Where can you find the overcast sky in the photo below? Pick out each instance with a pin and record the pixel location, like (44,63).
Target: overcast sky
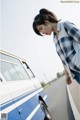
(18,37)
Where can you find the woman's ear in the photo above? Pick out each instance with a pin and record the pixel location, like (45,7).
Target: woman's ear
(46,22)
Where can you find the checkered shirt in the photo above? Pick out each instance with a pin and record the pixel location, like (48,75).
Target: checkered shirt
(65,42)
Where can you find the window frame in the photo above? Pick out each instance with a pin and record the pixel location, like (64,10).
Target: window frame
(13,63)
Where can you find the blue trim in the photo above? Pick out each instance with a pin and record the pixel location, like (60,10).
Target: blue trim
(26,108)
(39,115)
(14,115)
(8,103)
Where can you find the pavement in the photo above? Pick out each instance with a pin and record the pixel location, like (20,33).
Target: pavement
(59,105)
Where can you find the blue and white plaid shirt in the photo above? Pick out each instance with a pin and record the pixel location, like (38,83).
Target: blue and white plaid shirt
(67,45)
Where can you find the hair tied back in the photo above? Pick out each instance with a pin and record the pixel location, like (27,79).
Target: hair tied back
(43,11)
(46,12)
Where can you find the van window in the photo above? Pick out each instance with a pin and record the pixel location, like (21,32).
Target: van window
(13,71)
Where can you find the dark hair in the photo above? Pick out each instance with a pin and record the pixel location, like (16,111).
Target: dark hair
(43,15)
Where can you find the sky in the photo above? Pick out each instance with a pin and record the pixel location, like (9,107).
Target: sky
(18,37)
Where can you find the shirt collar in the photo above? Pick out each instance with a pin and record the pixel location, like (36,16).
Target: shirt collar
(58,26)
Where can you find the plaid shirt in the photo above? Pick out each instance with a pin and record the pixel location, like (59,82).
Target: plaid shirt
(67,47)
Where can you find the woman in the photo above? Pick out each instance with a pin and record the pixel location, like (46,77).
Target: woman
(66,38)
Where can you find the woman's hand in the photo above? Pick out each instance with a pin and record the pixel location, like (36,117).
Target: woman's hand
(68,80)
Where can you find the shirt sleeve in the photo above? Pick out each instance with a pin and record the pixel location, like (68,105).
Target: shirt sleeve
(72,30)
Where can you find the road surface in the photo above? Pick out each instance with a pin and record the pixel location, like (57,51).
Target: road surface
(59,105)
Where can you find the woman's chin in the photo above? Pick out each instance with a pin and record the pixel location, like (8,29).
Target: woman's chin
(49,34)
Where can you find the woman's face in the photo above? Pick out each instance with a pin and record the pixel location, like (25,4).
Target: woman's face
(45,29)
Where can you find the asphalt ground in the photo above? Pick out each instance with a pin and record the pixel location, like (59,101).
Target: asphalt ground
(59,105)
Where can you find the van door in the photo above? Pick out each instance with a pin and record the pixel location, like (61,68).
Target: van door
(7,102)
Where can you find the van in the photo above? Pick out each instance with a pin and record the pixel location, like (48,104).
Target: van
(21,94)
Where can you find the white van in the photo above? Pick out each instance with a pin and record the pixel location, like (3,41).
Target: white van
(21,94)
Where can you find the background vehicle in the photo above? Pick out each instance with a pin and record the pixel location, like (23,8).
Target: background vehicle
(21,94)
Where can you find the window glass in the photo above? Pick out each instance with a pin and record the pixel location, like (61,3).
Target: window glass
(21,72)
(13,72)
(9,72)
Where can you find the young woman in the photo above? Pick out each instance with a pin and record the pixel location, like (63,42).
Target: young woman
(66,37)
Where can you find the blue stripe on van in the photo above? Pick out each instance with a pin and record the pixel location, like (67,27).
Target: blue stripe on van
(5,105)
(26,108)
(19,97)
(38,116)
(14,115)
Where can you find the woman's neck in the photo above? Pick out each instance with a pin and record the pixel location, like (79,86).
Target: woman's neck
(54,28)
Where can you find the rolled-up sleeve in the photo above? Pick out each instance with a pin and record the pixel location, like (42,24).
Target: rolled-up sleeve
(72,30)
